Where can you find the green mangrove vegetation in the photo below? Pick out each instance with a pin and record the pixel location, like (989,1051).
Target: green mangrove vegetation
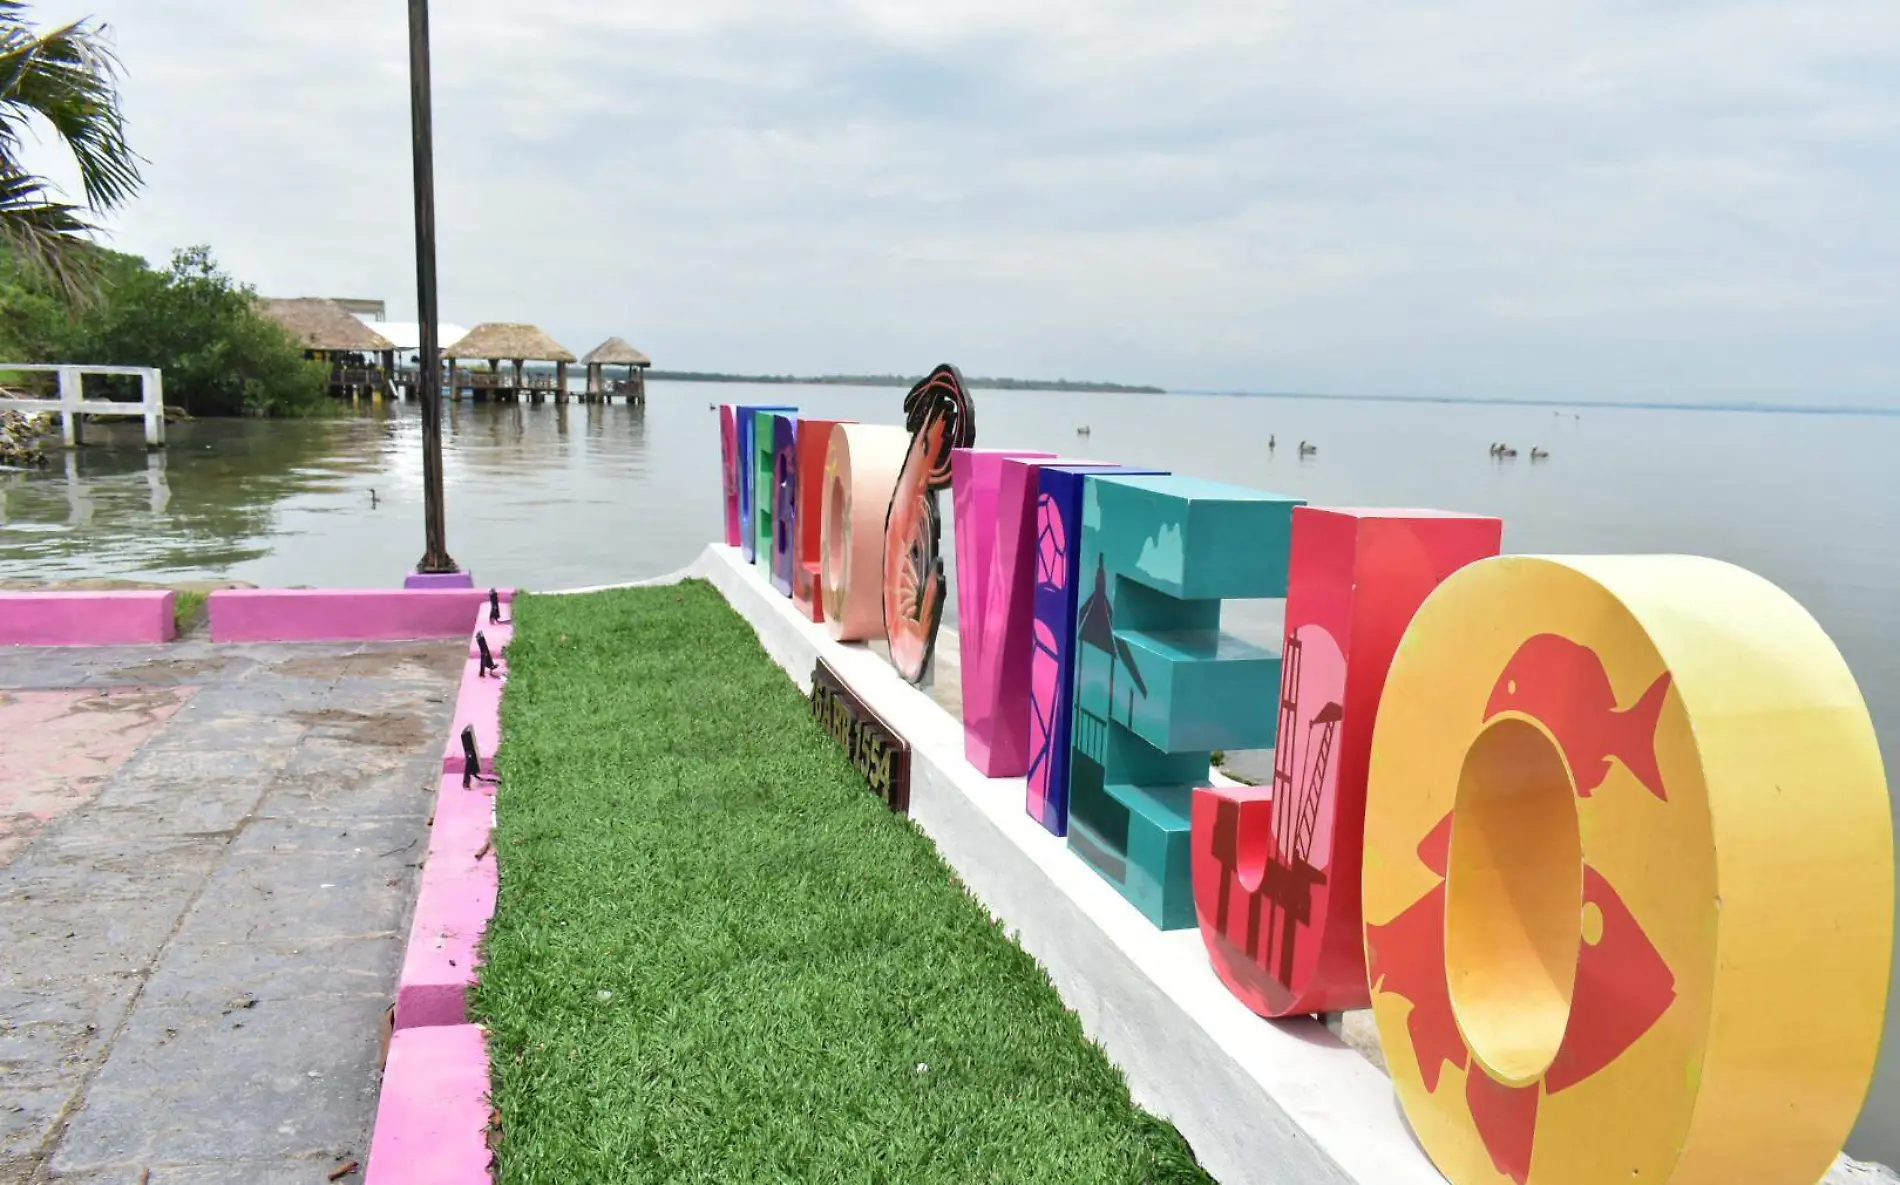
(220,355)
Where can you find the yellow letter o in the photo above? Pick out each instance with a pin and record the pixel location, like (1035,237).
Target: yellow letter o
(1628,877)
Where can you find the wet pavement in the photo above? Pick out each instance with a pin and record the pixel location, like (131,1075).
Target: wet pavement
(208,858)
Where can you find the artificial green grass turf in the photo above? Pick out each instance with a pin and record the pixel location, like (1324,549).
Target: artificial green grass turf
(718,957)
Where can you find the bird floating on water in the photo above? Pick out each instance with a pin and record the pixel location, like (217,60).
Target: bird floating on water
(1269,442)
(1307,450)
(1538,454)
(1082,431)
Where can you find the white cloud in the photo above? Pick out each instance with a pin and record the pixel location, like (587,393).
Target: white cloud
(1572,198)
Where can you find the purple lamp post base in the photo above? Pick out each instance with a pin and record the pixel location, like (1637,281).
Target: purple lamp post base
(439,580)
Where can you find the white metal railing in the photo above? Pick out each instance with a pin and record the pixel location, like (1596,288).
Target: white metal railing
(72,402)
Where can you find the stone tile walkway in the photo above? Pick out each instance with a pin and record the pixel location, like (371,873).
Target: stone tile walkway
(208,858)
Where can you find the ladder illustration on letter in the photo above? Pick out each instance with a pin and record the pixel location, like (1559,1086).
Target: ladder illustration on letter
(1290,875)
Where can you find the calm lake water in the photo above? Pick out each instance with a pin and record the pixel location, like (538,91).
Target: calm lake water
(563,496)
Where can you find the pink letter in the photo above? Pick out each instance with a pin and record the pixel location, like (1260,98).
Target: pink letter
(729,466)
(993,496)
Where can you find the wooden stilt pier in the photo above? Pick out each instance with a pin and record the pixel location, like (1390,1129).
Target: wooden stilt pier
(507,349)
(616,352)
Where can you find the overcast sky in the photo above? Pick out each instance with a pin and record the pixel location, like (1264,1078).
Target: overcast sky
(1650,198)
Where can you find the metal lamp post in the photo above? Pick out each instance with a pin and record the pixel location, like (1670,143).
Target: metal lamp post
(435,556)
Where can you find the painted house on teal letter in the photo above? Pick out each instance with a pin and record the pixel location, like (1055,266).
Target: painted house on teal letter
(1158,686)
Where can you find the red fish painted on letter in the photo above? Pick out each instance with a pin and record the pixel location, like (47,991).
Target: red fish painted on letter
(1408,959)
(1623,989)
(1563,685)
(1506,1119)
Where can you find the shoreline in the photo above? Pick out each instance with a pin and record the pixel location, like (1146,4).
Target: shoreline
(1065,386)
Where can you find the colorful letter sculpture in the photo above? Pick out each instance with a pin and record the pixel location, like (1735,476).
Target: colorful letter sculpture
(765,481)
(1157,685)
(745,419)
(861,467)
(1628,877)
(729,470)
(785,431)
(814,441)
(1276,868)
(940,418)
(995,606)
(1058,544)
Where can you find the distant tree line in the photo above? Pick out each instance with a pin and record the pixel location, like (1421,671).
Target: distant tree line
(898,380)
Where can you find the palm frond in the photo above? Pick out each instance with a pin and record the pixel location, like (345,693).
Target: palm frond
(69,77)
(49,239)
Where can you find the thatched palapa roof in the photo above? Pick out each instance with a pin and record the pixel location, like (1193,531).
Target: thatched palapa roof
(616,352)
(322,324)
(499,339)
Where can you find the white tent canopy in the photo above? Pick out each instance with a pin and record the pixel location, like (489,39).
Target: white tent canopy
(406,336)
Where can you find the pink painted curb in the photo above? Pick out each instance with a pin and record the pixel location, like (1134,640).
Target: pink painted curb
(123,617)
(463,809)
(432,1121)
(343,615)
(478,703)
(460,880)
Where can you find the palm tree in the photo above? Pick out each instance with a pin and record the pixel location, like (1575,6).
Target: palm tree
(66,78)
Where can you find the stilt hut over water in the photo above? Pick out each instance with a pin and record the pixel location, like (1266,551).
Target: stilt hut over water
(616,352)
(361,360)
(498,341)
(406,336)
